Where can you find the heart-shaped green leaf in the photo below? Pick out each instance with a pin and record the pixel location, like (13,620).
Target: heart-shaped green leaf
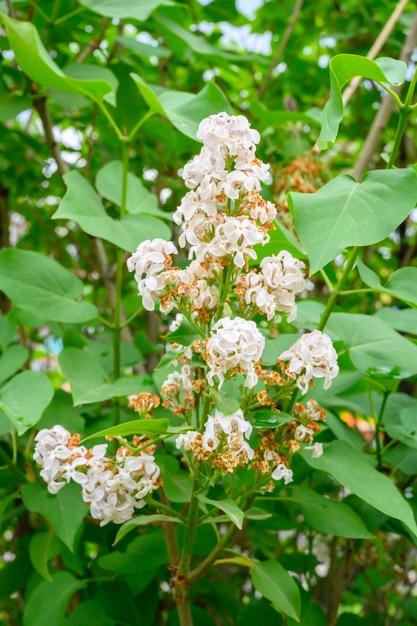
(346,213)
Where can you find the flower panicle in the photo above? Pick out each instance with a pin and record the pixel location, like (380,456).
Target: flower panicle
(223,220)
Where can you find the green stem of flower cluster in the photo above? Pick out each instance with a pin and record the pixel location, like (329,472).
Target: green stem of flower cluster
(335,293)
(184,566)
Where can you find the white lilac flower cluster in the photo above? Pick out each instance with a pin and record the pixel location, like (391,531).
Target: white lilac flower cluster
(312,356)
(223,441)
(234,345)
(220,215)
(112,488)
(223,217)
(179,381)
(274,287)
(148,262)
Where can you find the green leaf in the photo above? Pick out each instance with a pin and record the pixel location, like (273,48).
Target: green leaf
(402,458)
(404,320)
(239,559)
(8,332)
(151,427)
(403,425)
(90,383)
(12,104)
(145,552)
(226,403)
(177,482)
(274,582)
(48,601)
(139,201)
(184,110)
(266,117)
(149,95)
(256,513)
(24,398)
(82,204)
(265,418)
(401,284)
(184,334)
(65,511)
(279,239)
(233,512)
(352,470)
(35,61)
(275,347)
(329,517)
(374,347)
(15,575)
(347,213)
(196,43)
(344,67)
(91,612)
(170,358)
(143,49)
(12,360)
(42,548)
(126,9)
(38,284)
(144,520)
(259,613)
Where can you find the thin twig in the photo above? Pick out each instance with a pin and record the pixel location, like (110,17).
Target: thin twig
(95,42)
(90,141)
(32,10)
(10,8)
(41,105)
(281,48)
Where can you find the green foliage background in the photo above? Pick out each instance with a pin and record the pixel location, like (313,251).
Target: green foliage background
(90,90)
